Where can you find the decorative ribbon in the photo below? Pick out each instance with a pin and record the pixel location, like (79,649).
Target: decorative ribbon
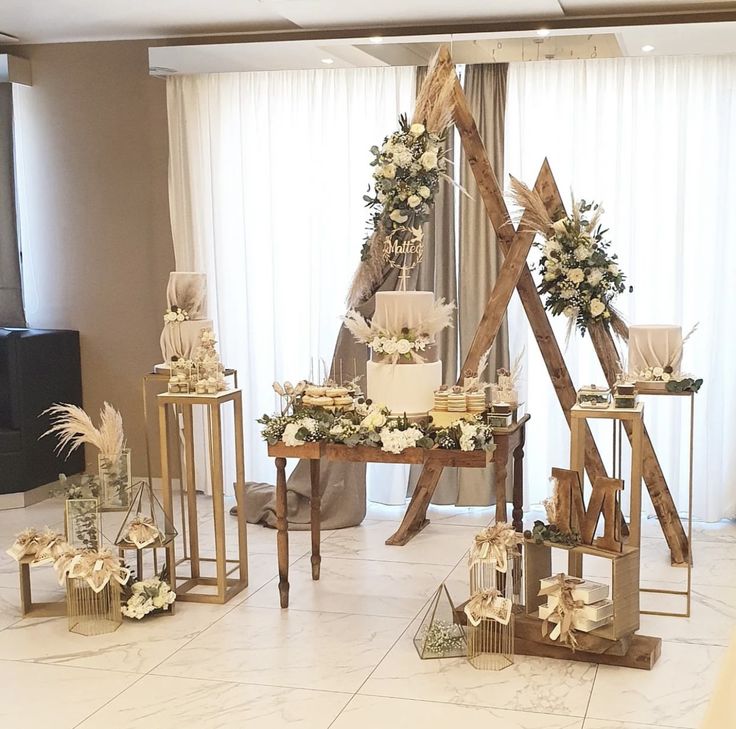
(43,546)
(493,545)
(142,531)
(97,568)
(489,605)
(565,609)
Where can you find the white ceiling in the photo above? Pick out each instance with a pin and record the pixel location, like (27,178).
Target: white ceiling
(38,21)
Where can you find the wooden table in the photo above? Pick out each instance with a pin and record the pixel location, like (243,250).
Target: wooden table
(509,451)
(509,446)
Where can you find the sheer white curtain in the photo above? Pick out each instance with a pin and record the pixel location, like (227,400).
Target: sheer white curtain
(267,175)
(654,139)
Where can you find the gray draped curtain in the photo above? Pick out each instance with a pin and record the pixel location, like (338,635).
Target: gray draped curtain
(11,299)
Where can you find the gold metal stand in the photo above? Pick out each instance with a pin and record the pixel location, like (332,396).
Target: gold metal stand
(225,586)
(645,389)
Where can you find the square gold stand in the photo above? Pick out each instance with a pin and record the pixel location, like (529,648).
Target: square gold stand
(225,585)
(38,609)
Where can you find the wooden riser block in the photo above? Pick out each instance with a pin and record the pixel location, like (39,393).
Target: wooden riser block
(643,653)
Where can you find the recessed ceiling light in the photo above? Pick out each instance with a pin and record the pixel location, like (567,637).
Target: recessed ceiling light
(647,48)
(328,61)
(543,32)
(376,39)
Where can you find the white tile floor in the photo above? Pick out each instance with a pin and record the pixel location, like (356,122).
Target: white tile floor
(342,655)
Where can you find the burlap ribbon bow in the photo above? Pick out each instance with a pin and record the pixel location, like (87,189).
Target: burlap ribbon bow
(493,545)
(97,568)
(43,546)
(564,610)
(142,531)
(488,604)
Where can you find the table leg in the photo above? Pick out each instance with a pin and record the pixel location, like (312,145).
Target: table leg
(240,488)
(316,515)
(218,500)
(191,489)
(282,537)
(517,515)
(500,465)
(166,495)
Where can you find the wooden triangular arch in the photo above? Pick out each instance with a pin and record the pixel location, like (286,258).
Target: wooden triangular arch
(441,91)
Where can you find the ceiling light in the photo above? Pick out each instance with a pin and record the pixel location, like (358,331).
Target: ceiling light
(647,48)
(376,39)
(328,61)
(543,32)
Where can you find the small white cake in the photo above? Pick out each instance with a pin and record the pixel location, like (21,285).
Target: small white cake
(654,345)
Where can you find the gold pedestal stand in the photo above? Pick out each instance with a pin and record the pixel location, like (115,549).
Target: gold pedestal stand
(225,586)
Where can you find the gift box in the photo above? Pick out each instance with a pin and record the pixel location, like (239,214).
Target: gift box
(579,622)
(593,612)
(585,591)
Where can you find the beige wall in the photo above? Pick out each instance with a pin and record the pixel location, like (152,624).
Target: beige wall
(94,213)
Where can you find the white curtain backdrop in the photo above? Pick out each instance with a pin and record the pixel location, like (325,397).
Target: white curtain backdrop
(654,140)
(266,180)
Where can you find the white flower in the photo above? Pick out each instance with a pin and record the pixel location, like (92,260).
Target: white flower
(180,317)
(429,160)
(158,601)
(403,346)
(550,276)
(396,441)
(595,277)
(416,130)
(398,217)
(377,344)
(666,377)
(414,200)
(424,191)
(658,371)
(381,197)
(388,171)
(402,156)
(576,275)
(567,293)
(570,312)
(289,436)
(597,307)
(581,253)
(420,344)
(390,346)
(559,225)
(375,418)
(613,268)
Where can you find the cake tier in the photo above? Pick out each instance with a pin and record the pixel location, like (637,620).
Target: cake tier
(188,291)
(654,345)
(181,339)
(398,309)
(404,388)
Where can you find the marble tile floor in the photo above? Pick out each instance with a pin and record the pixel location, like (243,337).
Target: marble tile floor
(342,655)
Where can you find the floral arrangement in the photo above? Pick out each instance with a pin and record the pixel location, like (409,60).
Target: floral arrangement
(580,278)
(406,174)
(442,637)
(95,567)
(43,547)
(148,596)
(405,344)
(466,435)
(175,315)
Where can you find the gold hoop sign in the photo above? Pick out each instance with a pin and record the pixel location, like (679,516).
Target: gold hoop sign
(404,250)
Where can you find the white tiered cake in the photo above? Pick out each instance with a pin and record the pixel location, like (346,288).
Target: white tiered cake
(187,291)
(404,387)
(654,345)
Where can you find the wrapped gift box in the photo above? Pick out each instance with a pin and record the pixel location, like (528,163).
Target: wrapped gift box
(594,612)
(578,621)
(587,592)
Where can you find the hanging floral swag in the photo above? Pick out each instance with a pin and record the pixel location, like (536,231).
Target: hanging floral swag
(580,277)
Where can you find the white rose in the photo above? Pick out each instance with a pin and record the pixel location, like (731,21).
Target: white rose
(374,419)
(289,436)
(595,276)
(377,344)
(666,377)
(389,171)
(158,601)
(570,312)
(429,160)
(403,346)
(416,130)
(550,276)
(581,253)
(559,225)
(424,191)
(658,371)
(180,317)
(398,217)
(390,346)
(614,269)
(576,275)
(414,200)
(597,307)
